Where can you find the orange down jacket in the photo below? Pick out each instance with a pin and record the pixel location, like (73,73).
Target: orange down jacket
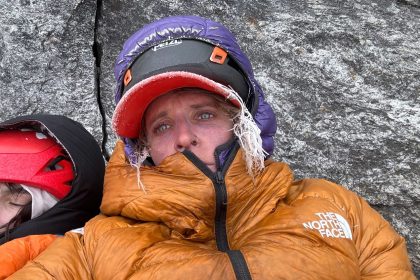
(16,253)
(268,228)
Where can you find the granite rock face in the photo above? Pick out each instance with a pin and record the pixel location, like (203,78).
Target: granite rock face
(343,78)
(46,60)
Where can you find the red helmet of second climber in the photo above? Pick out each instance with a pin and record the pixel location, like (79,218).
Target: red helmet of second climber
(35,159)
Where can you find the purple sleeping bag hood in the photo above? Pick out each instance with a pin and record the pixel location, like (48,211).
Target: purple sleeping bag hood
(205,30)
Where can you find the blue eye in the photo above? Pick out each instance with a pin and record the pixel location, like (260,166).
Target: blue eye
(205,116)
(161,128)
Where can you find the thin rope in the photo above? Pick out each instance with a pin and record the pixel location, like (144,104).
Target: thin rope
(141,153)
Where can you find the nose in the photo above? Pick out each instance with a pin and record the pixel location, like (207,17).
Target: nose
(184,137)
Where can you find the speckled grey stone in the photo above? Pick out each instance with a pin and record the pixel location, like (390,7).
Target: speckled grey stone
(46,60)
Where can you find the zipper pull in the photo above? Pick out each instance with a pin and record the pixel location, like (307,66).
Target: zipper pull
(219,181)
(219,177)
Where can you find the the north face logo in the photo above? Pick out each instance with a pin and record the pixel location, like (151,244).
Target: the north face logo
(330,225)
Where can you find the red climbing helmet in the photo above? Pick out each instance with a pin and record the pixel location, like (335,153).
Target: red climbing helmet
(35,159)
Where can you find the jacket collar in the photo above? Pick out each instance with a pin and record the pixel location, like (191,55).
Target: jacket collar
(181,196)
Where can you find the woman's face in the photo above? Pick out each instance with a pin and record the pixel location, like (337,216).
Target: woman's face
(10,203)
(187,120)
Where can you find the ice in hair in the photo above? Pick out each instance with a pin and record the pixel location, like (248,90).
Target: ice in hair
(248,134)
(141,153)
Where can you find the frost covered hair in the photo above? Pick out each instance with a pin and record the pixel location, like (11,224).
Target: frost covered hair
(244,128)
(248,134)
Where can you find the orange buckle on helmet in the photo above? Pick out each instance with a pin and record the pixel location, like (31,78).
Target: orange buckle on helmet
(127,77)
(218,55)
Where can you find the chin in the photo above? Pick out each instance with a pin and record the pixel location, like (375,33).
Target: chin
(212,167)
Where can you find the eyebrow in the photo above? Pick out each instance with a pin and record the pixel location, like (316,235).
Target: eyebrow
(194,106)
(155,119)
(199,106)
(160,115)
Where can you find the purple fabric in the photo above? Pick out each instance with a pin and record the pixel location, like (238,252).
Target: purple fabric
(194,27)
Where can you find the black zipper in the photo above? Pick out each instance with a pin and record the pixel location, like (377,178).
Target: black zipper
(239,265)
(221,207)
(236,257)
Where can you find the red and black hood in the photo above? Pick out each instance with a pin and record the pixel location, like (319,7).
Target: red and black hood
(82,203)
